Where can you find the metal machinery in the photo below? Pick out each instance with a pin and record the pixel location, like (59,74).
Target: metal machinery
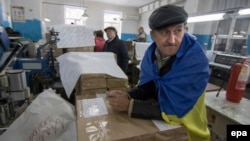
(19,76)
(41,71)
(221,62)
(13,87)
(220,65)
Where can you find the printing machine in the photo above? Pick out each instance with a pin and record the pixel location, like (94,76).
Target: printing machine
(17,75)
(41,67)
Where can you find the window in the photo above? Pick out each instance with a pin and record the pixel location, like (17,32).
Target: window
(112,18)
(220,44)
(236,45)
(241,27)
(73,15)
(232,35)
(223,32)
(224,27)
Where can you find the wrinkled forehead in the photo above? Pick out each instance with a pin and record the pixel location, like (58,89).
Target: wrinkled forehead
(172,27)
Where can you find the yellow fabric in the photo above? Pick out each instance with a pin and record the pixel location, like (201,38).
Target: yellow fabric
(195,121)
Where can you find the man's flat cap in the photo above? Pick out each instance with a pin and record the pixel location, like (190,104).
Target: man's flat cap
(167,15)
(110,27)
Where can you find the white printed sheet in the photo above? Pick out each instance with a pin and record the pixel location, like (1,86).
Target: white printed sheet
(94,107)
(73,36)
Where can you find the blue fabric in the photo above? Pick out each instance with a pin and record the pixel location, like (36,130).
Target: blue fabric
(179,89)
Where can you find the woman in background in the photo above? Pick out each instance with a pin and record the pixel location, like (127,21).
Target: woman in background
(99,41)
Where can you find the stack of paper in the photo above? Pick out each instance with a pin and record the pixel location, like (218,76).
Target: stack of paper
(93,72)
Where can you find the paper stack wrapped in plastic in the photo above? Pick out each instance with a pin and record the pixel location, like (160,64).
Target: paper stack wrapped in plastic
(91,72)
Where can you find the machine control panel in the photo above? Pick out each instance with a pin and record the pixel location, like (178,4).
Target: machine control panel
(228,60)
(222,63)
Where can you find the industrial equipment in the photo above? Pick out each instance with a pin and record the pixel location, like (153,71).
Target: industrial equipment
(41,71)
(13,88)
(220,67)
(20,76)
(221,64)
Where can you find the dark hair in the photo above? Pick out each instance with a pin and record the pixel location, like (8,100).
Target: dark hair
(99,33)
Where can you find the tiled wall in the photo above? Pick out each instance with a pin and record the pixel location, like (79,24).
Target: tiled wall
(29,29)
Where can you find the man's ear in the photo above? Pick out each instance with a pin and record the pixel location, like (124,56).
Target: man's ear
(152,35)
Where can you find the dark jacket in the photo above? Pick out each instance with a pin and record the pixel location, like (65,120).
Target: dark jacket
(119,48)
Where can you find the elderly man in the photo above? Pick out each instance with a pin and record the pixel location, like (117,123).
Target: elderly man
(174,74)
(117,46)
(142,36)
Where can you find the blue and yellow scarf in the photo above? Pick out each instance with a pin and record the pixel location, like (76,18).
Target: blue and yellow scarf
(182,88)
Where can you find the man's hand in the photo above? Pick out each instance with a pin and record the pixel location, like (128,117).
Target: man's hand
(118,100)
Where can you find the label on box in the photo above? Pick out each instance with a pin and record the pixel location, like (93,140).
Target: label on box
(94,107)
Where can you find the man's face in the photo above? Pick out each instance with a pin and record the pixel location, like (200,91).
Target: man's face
(140,30)
(110,33)
(168,39)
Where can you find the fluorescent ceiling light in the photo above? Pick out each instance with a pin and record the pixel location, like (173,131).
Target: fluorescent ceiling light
(47,20)
(244,11)
(204,18)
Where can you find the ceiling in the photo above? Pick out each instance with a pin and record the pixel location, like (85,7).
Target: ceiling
(130,3)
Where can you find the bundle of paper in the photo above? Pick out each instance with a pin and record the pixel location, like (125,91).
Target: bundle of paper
(92,72)
(91,82)
(99,83)
(81,49)
(117,83)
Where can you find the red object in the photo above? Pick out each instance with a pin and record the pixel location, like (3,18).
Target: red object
(99,44)
(237,82)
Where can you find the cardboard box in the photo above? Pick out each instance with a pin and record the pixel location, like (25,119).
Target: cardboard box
(91,82)
(59,51)
(91,91)
(113,82)
(121,88)
(56,51)
(118,126)
(81,49)
(117,83)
